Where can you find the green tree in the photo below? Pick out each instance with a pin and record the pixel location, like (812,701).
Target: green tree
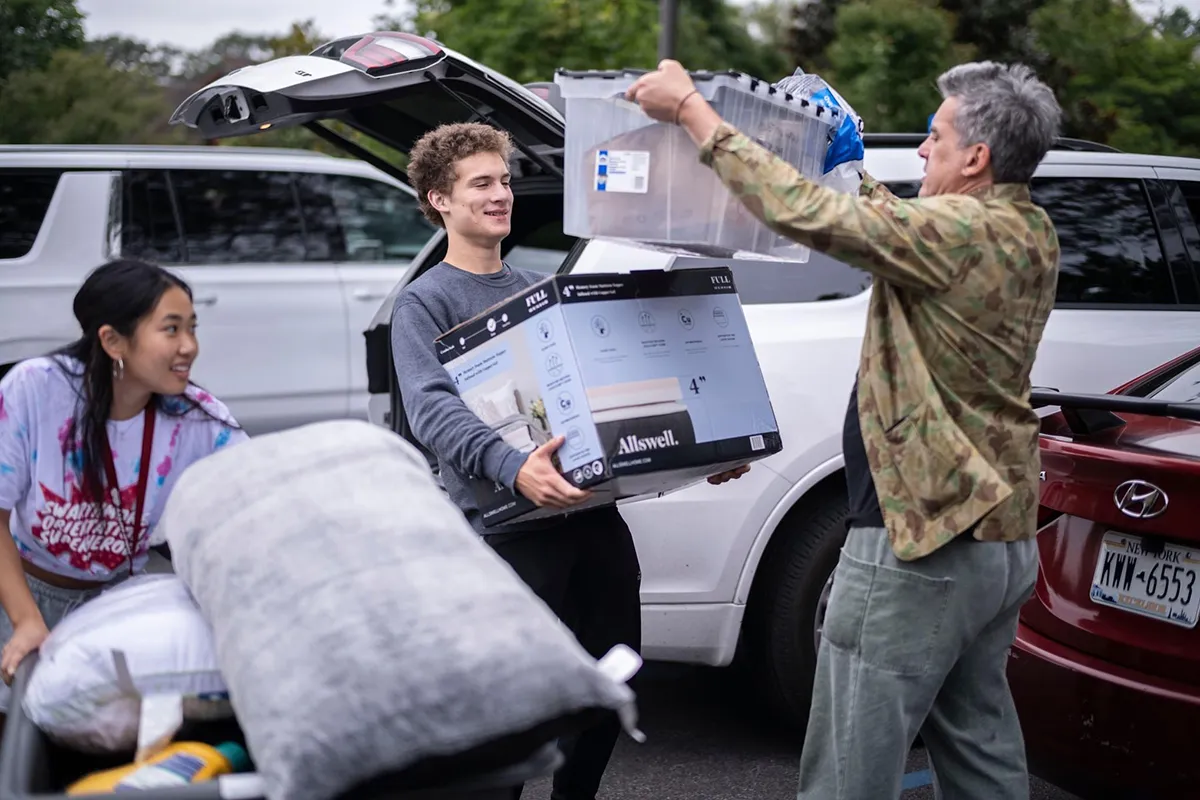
(887,55)
(528,39)
(1120,79)
(31,30)
(119,52)
(998,30)
(79,99)
(715,35)
(1178,23)
(812,32)
(587,34)
(769,22)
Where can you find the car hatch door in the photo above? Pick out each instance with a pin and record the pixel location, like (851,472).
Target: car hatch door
(393,87)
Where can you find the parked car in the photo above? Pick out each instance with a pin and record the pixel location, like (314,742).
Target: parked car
(1106,665)
(740,570)
(289,253)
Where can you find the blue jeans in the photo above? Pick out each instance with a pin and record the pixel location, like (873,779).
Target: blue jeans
(919,646)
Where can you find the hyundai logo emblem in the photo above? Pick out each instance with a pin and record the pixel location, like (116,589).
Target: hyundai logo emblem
(1140,500)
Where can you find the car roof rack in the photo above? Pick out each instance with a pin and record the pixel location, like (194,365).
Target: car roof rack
(915,139)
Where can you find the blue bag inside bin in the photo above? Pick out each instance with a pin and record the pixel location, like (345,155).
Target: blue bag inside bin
(844,154)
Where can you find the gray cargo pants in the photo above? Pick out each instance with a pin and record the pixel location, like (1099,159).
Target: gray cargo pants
(919,646)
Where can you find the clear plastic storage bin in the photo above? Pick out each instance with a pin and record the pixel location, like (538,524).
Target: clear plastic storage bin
(629,177)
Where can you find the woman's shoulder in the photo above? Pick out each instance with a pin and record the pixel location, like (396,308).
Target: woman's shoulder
(197,404)
(37,376)
(215,425)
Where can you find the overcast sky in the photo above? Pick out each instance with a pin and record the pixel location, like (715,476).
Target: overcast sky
(194,24)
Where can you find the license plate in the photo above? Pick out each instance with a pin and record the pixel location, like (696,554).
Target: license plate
(1164,585)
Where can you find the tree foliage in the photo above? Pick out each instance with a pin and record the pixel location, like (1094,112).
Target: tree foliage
(1122,80)
(884,55)
(77,100)
(1126,74)
(528,40)
(1123,77)
(32,30)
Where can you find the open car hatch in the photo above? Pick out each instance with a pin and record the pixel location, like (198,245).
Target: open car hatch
(391,86)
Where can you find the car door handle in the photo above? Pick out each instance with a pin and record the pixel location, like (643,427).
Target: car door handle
(206,300)
(367,294)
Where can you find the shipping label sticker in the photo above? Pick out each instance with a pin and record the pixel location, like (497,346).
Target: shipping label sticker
(623,171)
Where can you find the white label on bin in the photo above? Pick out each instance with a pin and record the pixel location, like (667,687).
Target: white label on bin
(622,171)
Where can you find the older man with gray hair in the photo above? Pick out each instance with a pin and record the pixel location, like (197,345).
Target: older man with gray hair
(940,441)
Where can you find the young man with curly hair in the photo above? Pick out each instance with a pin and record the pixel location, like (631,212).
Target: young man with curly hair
(583,566)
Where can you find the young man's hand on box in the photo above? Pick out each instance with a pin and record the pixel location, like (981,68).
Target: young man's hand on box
(729,475)
(540,481)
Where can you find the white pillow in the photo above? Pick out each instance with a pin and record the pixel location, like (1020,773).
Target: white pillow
(144,637)
(496,405)
(364,629)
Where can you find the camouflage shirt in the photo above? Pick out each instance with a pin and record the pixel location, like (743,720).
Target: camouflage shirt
(963,287)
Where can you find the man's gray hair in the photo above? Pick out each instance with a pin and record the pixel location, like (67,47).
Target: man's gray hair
(1007,108)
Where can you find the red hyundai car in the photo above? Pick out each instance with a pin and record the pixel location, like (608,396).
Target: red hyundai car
(1105,669)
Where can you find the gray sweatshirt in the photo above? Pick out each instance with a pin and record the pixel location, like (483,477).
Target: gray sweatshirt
(463,444)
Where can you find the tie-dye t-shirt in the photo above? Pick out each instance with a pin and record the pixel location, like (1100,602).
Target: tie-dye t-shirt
(54,526)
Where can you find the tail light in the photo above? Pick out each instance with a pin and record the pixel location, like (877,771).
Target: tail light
(383,53)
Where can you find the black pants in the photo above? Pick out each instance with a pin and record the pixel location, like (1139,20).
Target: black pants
(586,570)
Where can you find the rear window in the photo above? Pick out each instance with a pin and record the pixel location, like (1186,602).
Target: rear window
(1111,253)
(200,216)
(1183,388)
(24,198)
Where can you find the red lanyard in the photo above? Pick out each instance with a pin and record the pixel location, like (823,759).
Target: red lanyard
(143,477)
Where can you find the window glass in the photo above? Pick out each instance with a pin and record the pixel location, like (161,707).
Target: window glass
(239,216)
(1111,253)
(371,221)
(1184,388)
(905,189)
(25,197)
(1191,196)
(324,238)
(1185,197)
(149,230)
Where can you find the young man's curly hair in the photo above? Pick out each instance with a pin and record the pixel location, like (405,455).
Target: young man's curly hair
(432,159)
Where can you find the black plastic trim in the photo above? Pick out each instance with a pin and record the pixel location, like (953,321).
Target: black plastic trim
(525,149)
(915,139)
(1130,306)
(357,150)
(1115,402)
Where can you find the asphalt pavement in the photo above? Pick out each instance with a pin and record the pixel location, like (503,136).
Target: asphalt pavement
(704,742)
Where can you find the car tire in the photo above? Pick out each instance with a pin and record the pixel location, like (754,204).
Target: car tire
(786,608)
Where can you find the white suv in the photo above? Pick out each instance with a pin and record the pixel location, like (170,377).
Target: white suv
(741,569)
(289,254)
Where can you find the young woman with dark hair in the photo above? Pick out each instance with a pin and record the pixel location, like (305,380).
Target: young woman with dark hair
(92,438)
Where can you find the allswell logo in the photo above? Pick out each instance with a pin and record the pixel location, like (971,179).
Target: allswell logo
(636,444)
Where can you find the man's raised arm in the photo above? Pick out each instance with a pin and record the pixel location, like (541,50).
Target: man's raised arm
(922,244)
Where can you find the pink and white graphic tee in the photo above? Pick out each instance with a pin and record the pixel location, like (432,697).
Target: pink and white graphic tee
(54,525)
